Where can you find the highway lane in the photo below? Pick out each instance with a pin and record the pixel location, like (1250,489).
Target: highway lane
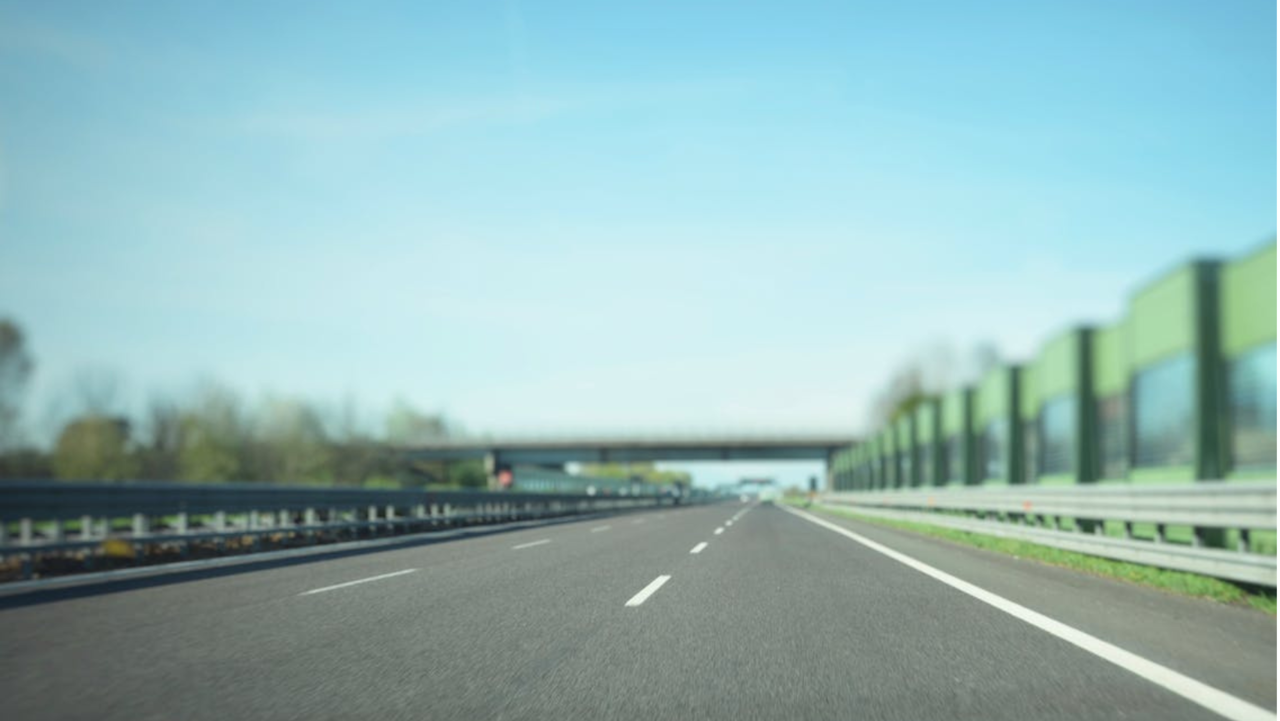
(1231,648)
(773,617)
(228,645)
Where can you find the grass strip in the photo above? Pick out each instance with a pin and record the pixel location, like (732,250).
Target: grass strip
(1179,582)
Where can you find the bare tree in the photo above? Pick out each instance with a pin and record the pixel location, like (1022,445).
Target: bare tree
(904,392)
(290,443)
(163,439)
(933,371)
(96,390)
(981,359)
(215,437)
(15,370)
(406,425)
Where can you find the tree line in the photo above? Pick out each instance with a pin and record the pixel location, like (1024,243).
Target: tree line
(214,436)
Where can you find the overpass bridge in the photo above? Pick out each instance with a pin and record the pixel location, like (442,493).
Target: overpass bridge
(626,449)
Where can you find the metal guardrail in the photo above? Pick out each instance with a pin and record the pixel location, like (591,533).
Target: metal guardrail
(40,518)
(1039,514)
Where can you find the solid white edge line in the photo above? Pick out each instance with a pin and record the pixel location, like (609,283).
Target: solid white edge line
(1197,692)
(531,544)
(719,530)
(355,583)
(598,529)
(698,548)
(648,591)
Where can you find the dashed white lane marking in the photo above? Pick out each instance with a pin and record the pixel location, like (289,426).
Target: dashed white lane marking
(728,522)
(1220,702)
(719,530)
(355,583)
(531,544)
(698,548)
(598,529)
(648,591)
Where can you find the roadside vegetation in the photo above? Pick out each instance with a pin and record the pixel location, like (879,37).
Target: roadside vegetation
(1180,582)
(213,434)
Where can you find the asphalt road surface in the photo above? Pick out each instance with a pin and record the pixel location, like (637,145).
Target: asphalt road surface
(730,611)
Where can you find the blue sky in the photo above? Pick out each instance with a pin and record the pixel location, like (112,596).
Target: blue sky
(542,217)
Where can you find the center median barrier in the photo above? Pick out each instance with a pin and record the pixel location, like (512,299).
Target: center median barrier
(42,520)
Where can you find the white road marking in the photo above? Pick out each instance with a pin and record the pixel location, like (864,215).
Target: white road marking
(648,591)
(1220,702)
(354,583)
(531,544)
(728,522)
(598,529)
(719,530)
(698,548)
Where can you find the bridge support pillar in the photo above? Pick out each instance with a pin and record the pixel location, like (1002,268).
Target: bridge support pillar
(830,475)
(497,472)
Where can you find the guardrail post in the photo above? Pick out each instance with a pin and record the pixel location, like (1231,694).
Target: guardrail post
(86,527)
(1242,543)
(310,519)
(181,526)
(141,527)
(26,531)
(253,520)
(1159,537)
(55,531)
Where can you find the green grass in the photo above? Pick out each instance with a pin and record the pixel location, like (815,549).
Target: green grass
(1180,582)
